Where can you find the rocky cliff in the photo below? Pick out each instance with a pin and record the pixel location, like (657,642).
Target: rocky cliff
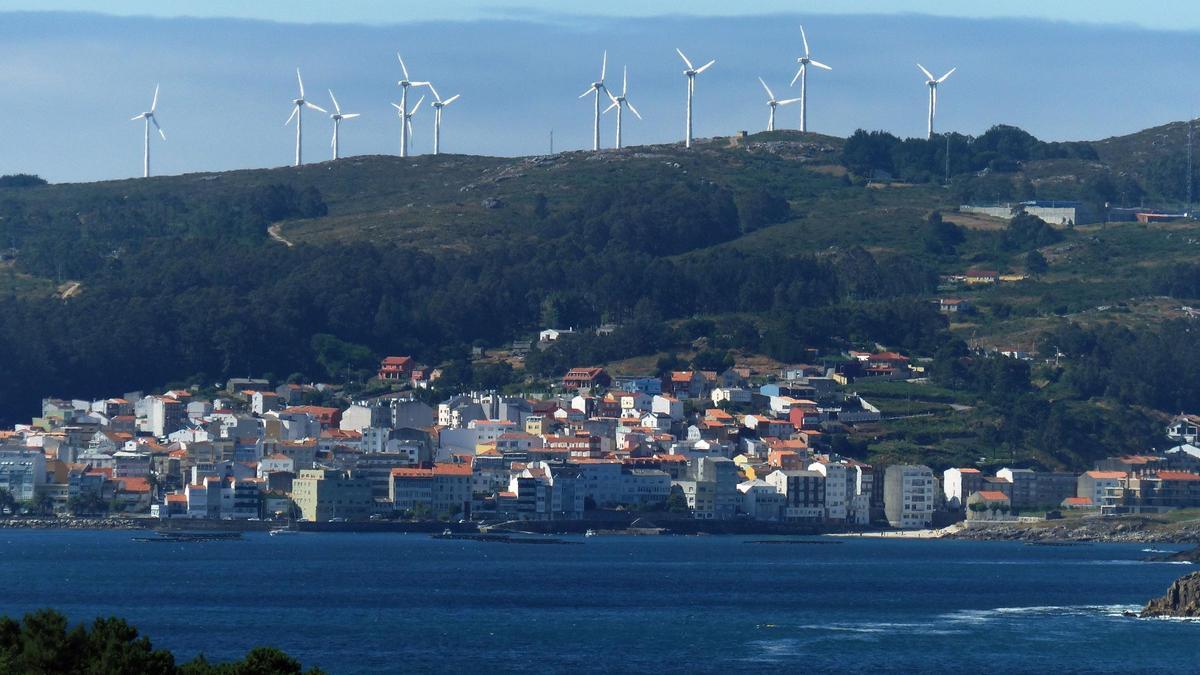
(1182,599)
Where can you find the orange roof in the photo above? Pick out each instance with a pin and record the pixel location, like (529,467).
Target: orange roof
(1177,475)
(507,494)
(681,376)
(134,484)
(993,495)
(451,470)
(968,470)
(1078,501)
(176,499)
(1105,474)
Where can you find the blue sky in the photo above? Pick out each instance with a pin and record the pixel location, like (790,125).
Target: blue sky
(1063,70)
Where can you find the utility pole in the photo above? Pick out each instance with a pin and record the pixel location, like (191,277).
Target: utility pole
(947,158)
(1189,173)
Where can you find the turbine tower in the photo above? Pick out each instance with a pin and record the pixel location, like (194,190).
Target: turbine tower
(691,73)
(771,101)
(620,102)
(337,118)
(149,117)
(297,112)
(406,125)
(404,84)
(595,89)
(438,104)
(933,87)
(802,75)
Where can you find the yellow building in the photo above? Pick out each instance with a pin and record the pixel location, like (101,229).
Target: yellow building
(323,494)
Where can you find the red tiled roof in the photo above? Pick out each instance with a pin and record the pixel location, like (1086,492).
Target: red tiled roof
(993,495)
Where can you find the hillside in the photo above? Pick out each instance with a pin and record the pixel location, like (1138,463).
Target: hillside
(765,247)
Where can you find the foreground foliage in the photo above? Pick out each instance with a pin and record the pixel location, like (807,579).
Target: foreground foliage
(44,642)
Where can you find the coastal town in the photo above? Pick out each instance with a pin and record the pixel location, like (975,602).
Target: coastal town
(736,445)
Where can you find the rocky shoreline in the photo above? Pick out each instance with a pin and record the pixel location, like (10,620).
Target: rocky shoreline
(76,523)
(1134,530)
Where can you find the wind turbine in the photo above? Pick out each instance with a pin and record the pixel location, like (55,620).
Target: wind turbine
(691,73)
(149,117)
(406,125)
(933,87)
(595,89)
(337,118)
(297,112)
(802,75)
(620,102)
(771,101)
(405,115)
(438,104)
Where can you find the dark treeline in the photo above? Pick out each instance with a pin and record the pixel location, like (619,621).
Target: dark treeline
(1001,148)
(44,642)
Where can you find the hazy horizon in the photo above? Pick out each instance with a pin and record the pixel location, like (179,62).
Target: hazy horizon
(75,79)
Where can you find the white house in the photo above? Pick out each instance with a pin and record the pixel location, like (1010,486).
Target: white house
(731,395)
(667,405)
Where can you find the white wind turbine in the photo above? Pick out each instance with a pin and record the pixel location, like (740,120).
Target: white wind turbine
(595,90)
(933,87)
(691,73)
(438,104)
(802,75)
(405,115)
(771,101)
(337,118)
(406,125)
(149,117)
(297,112)
(620,102)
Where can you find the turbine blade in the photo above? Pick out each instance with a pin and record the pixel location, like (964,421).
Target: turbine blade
(604,65)
(770,94)
(419,84)
(436,97)
(819,64)
(787,101)
(940,79)
(295,109)
(611,97)
(301,83)
(337,108)
(416,107)
(685,59)
(632,109)
(589,90)
(612,105)
(403,67)
(137,117)
(160,131)
(398,108)
(350,116)
(705,67)
(333,139)
(450,100)
(314,106)
(798,74)
(408,124)
(923,70)
(805,39)
(154,103)
(624,80)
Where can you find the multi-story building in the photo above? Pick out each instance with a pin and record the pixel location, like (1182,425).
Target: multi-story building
(322,494)
(804,494)
(761,501)
(909,495)
(958,484)
(1094,485)
(22,472)
(1033,489)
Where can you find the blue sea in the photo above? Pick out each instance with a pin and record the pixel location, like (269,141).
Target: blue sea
(384,603)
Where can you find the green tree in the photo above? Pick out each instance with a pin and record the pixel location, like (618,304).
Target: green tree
(1035,263)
